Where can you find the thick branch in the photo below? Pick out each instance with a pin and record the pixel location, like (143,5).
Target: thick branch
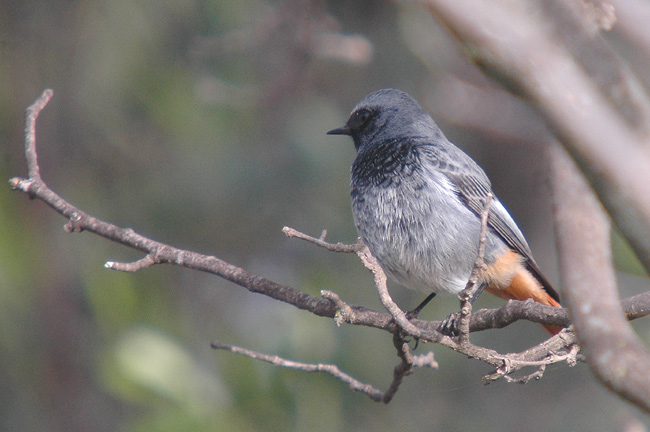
(614,353)
(589,103)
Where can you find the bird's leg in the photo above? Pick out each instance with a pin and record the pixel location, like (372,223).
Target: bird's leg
(477,293)
(415,312)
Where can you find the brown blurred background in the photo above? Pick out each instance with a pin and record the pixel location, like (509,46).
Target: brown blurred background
(202,124)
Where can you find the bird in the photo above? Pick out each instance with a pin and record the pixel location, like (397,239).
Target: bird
(417,201)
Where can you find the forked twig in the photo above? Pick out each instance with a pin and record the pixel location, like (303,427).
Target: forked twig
(406,367)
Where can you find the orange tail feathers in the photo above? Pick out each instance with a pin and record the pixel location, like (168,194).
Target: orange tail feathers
(522,286)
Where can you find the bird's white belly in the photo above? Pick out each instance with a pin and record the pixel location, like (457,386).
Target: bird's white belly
(425,238)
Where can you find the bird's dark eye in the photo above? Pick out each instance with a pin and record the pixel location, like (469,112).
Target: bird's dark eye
(359,118)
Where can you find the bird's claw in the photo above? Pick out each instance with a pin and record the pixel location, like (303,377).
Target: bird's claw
(449,326)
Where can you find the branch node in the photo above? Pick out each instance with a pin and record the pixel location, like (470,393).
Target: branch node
(344,312)
(146,261)
(17,183)
(74,223)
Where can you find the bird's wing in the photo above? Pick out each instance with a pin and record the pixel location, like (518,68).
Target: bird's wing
(473,187)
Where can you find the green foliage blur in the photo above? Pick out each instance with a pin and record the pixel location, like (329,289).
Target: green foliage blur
(202,124)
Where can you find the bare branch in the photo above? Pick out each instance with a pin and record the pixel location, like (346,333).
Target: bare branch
(637,306)
(155,251)
(544,51)
(408,364)
(30,132)
(330,369)
(538,374)
(406,367)
(145,262)
(398,315)
(344,313)
(337,247)
(592,102)
(613,351)
(471,289)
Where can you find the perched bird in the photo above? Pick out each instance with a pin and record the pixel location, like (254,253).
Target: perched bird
(417,200)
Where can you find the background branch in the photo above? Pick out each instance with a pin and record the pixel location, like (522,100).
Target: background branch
(532,48)
(552,53)
(615,354)
(330,369)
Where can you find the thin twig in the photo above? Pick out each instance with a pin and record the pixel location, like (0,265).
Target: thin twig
(408,364)
(140,264)
(404,368)
(33,112)
(333,370)
(471,289)
(320,241)
(398,315)
(538,374)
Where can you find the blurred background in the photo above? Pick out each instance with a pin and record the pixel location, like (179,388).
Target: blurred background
(202,124)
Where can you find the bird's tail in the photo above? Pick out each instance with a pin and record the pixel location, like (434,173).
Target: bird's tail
(525,286)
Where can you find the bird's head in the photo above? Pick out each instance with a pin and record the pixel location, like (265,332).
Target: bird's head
(386,114)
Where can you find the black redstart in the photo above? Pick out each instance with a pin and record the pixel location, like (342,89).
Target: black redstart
(417,200)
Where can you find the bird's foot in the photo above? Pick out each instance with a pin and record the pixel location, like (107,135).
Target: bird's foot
(449,326)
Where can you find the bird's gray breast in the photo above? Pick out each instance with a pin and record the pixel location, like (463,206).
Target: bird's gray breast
(412,220)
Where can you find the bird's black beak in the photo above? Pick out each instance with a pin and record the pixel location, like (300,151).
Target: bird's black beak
(345,130)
